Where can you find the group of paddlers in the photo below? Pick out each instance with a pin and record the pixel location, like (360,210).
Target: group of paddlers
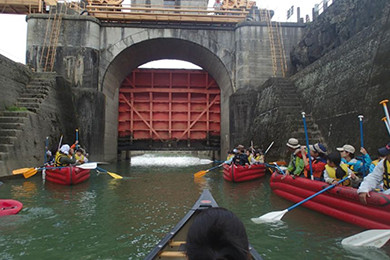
(333,168)
(364,173)
(68,155)
(242,156)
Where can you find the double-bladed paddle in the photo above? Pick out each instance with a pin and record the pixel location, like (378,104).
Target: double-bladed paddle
(202,173)
(113,175)
(373,238)
(277,215)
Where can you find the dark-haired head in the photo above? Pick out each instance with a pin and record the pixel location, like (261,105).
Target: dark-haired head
(217,233)
(335,158)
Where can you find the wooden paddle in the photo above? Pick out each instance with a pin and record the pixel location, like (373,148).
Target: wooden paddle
(113,175)
(373,237)
(277,215)
(29,172)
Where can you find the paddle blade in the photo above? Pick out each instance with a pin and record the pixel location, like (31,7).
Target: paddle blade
(373,238)
(114,175)
(270,217)
(21,171)
(200,174)
(31,172)
(87,166)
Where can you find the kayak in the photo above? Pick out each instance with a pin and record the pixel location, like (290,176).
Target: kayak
(238,173)
(67,175)
(10,207)
(173,244)
(339,202)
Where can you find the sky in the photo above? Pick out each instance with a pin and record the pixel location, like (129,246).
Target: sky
(13,30)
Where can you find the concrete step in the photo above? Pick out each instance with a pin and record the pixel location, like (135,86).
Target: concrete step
(33,110)
(37,90)
(9,132)
(11,125)
(12,119)
(7,139)
(14,113)
(3,156)
(33,95)
(5,148)
(29,100)
(28,105)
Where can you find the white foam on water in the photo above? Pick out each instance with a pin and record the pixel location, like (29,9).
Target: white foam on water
(171,161)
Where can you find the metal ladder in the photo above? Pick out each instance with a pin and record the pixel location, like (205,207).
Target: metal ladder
(50,43)
(276,45)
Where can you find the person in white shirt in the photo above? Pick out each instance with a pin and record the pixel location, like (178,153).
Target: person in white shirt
(381,173)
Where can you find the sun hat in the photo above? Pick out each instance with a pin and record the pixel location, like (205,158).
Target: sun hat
(293,143)
(318,147)
(383,151)
(65,149)
(346,147)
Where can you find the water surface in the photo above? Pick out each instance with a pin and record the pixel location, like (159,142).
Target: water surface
(105,218)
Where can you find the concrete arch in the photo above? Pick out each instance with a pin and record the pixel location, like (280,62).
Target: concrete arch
(154,49)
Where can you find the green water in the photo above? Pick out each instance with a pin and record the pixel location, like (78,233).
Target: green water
(105,218)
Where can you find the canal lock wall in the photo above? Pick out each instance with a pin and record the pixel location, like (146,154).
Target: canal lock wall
(341,69)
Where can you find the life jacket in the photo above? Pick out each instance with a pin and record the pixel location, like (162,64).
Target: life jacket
(318,173)
(332,173)
(80,158)
(60,155)
(375,162)
(386,174)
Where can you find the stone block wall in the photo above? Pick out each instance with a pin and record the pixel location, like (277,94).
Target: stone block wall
(351,80)
(13,78)
(344,71)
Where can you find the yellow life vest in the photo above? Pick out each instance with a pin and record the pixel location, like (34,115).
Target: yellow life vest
(386,175)
(57,159)
(375,162)
(79,158)
(332,173)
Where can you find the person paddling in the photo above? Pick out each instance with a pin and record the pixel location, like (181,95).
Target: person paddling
(296,164)
(64,156)
(318,154)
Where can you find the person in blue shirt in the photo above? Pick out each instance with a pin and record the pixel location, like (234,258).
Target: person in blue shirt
(360,164)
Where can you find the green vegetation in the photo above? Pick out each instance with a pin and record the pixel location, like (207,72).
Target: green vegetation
(15,108)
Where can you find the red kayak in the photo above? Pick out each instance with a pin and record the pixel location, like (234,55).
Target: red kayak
(238,173)
(67,175)
(10,207)
(339,202)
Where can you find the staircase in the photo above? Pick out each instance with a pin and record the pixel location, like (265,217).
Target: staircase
(290,106)
(29,102)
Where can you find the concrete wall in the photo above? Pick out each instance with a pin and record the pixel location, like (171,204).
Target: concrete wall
(55,117)
(348,81)
(350,77)
(96,58)
(77,60)
(13,78)
(253,51)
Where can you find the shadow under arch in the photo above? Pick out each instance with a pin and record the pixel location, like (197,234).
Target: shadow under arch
(156,49)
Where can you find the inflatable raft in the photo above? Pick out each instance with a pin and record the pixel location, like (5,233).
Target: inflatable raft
(238,173)
(10,207)
(340,202)
(67,175)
